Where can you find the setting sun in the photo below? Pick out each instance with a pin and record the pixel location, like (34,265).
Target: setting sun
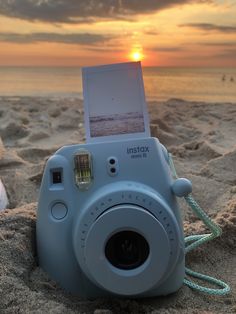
(136,56)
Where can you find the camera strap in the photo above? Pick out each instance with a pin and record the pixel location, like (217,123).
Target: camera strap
(194,241)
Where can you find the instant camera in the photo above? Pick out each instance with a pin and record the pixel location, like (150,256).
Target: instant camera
(108,222)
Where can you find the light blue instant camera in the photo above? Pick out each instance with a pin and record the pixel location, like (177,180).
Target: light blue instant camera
(108,222)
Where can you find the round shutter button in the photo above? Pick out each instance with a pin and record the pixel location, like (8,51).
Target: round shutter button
(59,211)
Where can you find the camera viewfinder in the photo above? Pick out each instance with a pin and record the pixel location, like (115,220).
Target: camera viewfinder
(56,176)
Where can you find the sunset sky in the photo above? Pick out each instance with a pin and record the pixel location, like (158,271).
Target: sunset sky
(78,33)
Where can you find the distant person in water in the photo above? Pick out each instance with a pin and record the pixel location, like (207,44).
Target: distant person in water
(224,78)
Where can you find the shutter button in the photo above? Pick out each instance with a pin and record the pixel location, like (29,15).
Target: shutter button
(59,211)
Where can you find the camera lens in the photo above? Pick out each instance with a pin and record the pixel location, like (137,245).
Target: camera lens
(127,250)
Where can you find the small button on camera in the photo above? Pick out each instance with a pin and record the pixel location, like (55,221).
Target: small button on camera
(59,211)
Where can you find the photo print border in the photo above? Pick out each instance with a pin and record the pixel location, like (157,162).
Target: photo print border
(114,102)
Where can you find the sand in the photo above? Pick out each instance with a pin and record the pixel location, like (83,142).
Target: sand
(202,139)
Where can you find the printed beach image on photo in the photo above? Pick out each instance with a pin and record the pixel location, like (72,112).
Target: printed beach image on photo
(114,101)
(125,123)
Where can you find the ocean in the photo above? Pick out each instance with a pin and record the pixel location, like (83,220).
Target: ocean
(161,83)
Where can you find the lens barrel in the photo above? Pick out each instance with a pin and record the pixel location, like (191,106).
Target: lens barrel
(125,250)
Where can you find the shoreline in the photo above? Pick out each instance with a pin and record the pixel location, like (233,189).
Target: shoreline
(202,139)
(80,99)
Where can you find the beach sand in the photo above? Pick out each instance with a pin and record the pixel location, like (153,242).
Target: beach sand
(202,139)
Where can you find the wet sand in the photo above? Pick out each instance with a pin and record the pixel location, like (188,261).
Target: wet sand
(202,139)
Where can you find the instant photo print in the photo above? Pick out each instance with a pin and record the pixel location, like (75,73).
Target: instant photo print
(114,102)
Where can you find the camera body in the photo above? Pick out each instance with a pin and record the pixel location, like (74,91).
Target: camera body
(108,222)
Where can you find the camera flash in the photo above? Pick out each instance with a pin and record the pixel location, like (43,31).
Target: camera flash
(83,169)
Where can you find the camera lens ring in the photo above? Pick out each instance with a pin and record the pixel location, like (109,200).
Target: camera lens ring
(142,196)
(122,281)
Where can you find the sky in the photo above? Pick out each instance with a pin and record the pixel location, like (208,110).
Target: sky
(84,33)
